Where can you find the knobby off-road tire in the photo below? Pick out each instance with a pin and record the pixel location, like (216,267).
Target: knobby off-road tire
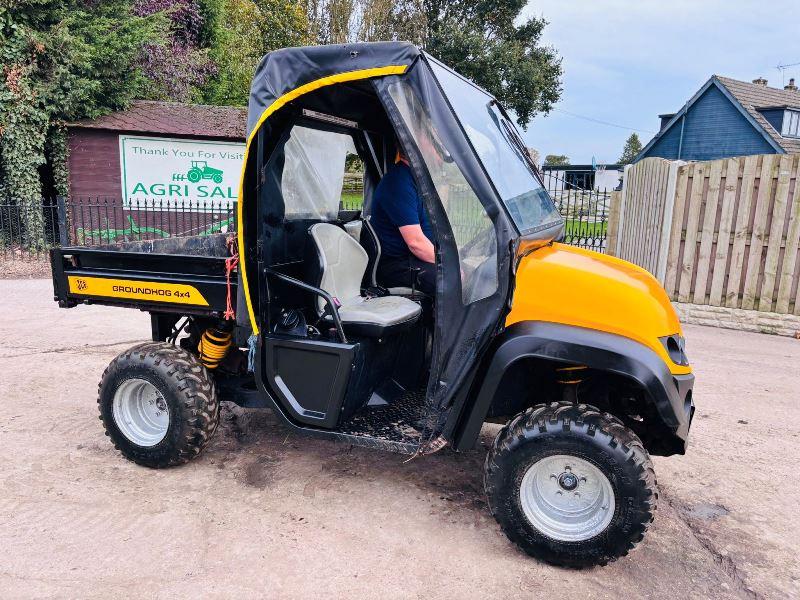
(186,391)
(563,429)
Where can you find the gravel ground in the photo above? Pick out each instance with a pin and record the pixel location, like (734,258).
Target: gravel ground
(32,267)
(265,512)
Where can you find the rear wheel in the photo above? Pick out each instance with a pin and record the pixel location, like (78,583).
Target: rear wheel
(158,404)
(570,485)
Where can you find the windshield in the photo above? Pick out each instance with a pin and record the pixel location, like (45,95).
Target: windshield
(501,150)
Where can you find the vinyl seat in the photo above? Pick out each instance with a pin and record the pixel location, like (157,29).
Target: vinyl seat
(343,263)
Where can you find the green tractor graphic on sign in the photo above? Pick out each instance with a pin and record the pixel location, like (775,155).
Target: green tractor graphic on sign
(201,170)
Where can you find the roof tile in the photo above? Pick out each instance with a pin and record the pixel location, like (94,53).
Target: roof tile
(198,120)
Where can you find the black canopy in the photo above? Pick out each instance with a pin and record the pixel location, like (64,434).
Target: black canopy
(398,81)
(294,71)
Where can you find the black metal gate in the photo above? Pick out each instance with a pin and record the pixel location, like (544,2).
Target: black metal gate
(585,209)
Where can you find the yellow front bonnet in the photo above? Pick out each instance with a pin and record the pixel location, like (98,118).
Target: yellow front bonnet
(568,285)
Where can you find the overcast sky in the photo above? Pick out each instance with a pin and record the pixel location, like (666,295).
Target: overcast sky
(627,61)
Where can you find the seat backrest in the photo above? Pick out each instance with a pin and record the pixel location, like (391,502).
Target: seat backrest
(372,246)
(342,262)
(354,228)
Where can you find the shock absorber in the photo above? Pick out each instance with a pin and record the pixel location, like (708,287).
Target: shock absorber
(570,379)
(214,345)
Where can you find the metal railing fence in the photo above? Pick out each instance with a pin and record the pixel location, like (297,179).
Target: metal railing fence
(585,212)
(28,231)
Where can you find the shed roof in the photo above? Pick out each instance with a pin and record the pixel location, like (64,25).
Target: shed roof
(174,118)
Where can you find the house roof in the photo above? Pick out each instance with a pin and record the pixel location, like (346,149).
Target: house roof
(748,98)
(173,118)
(753,96)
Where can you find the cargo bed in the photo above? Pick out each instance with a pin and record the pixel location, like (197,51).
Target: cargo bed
(176,275)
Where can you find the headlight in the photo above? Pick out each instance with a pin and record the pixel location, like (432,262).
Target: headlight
(676,348)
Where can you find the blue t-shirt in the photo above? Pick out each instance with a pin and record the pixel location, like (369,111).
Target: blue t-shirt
(396,203)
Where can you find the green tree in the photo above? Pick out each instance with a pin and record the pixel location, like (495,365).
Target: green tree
(341,21)
(556,160)
(486,41)
(243,32)
(632,148)
(61,61)
(179,68)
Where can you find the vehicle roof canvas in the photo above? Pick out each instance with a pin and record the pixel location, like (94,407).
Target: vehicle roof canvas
(289,69)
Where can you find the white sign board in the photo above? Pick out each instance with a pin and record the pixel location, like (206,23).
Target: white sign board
(163,172)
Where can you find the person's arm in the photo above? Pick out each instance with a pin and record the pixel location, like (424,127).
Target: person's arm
(418,242)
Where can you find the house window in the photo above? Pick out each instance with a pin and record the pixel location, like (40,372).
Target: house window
(583,180)
(791,123)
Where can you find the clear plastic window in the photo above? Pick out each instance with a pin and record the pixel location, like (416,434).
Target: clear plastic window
(501,151)
(472,228)
(314,173)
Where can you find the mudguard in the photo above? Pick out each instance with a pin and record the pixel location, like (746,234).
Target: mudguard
(670,394)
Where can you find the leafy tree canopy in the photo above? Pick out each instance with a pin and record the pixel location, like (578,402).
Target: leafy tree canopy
(62,60)
(75,58)
(484,40)
(243,32)
(179,68)
(632,148)
(556,160)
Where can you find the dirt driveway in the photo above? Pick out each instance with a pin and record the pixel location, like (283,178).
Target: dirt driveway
(266,513)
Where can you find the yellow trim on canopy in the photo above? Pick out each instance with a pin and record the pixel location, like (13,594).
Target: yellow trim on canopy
(277,104)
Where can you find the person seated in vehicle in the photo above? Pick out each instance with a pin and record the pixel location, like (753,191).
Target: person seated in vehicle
(401,224)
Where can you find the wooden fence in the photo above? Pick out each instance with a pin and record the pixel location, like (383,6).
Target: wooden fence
(722,233)
(643,209)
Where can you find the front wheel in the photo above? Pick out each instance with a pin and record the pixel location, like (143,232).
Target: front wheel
(570,485)
(158,404)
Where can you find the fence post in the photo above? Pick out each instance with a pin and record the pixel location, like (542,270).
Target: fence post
(612,229)
(666,222)
(621,213)
(63,234)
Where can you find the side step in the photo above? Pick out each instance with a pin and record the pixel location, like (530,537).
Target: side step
(394,427)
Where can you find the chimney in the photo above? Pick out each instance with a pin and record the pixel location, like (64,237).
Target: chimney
(760,81)
(791,85)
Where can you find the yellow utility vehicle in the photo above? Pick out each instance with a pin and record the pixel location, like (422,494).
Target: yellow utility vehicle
(580,355)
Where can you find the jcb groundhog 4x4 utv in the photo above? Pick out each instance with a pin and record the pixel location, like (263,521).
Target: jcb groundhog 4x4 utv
(579,354)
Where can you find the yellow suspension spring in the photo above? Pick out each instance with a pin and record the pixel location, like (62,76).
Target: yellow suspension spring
(570,373)
(571,379)
(214,345)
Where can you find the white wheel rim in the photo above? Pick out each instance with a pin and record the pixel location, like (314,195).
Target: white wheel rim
(140,412)
(567,498)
